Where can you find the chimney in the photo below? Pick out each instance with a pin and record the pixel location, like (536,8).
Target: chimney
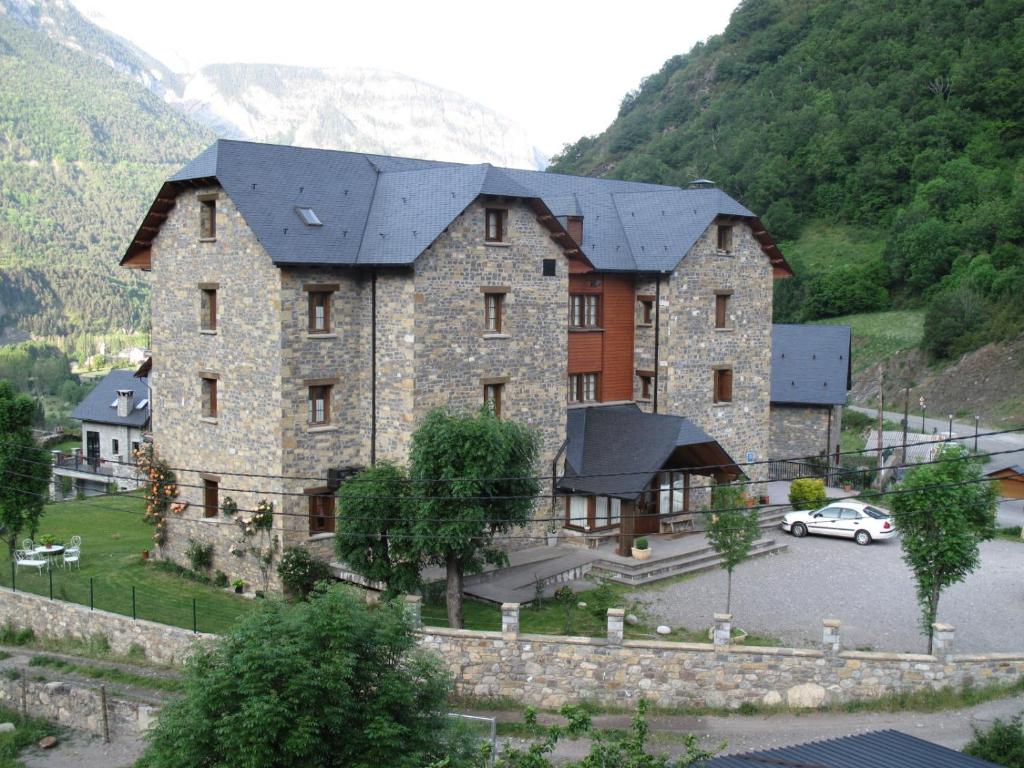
(574,226)
(124,402)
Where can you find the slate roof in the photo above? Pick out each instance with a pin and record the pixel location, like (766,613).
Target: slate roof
(97,406)
(379,211)
(810,364)
(1016,469)
(615,450)
(877,749)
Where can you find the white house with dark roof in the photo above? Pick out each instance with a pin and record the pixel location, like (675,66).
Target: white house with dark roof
(811,377)
(114,417)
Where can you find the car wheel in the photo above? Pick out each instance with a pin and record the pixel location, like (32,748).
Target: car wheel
(799,530)
(862,537)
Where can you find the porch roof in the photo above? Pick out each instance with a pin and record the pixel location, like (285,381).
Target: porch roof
(615,450)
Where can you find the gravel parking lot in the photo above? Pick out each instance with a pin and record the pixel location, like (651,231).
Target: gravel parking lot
(869,588)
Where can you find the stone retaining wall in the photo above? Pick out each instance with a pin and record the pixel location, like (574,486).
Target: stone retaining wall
(548,671)
(77,706)
(62,620)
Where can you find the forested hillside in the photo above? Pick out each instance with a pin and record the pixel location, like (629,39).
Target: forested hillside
(82,151)
(899,120)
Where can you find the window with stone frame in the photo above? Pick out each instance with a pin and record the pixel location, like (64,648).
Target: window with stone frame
(646,384)
(646,310)
(319,301)
(583,387)
(492,396)
(321,511)
(207,218)
(208,306)
(208,384)
(494,225)
(724,238)
(493,309)
(115,445)
(723,385)
(319,404)
(584,310)
(723,298)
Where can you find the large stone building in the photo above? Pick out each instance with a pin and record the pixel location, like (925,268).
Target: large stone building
(310,306)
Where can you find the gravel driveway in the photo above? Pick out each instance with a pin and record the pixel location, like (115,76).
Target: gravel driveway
(869,588)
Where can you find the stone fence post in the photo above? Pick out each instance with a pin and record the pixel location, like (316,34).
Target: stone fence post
(510,621)
(414,610)
(830,635)
(616,622)
(723,629)
(943,640)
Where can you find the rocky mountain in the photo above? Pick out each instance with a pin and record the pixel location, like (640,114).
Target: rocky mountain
(366,110)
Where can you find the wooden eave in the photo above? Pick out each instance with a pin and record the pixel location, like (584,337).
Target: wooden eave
(780,267)
(558,233)
(138,255)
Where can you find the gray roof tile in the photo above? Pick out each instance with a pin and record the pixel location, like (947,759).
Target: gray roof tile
(97,404)
(379,210)
(810,364)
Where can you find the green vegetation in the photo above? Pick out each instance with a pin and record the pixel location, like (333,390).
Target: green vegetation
(24,466)
(807,493)
(300,572)
(731,530)
(878,335)
(114,535)
(27,731)
(1002,743)
(83,151)
(899,120)
(326,682)
(108,674)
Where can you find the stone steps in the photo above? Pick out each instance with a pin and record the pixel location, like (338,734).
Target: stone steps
(696,561)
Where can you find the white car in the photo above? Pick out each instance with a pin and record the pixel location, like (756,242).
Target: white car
(847,518)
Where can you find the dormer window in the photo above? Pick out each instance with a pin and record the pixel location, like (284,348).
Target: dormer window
(724,238)
(208,217)
(494,225)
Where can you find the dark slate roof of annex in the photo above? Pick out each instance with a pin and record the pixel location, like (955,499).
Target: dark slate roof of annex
(615,450)
(810,364)
(876,749)
(97,407)
(378,210)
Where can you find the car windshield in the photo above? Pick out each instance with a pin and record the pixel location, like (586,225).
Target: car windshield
(875,512)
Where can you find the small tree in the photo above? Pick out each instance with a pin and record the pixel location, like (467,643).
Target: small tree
(472,478)
(24,467)
(731,530)
(374,532)
(943,511)
(807,493)
(328,682)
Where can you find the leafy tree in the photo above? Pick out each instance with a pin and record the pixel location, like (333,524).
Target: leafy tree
(300,572)
(943,511)
(731,530)
(473,476)
(1002,743)
(375,530)
(329,682)
(24,467)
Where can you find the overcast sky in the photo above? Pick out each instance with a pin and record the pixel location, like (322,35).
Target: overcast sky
(558,68)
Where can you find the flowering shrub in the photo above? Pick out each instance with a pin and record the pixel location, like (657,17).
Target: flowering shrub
(261,521)
(160,490)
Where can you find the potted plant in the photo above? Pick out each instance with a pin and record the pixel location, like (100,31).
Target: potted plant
(239,586)
(552,536)
(763,500)
(641,549)
(47,539)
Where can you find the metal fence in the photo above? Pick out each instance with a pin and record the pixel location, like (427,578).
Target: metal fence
(484,729)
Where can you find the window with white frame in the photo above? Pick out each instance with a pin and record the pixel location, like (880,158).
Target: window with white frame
(579,509)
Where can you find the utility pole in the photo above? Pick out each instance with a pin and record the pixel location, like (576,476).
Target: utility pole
(881,407)
(906,422)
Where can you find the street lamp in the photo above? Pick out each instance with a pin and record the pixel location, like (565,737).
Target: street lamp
(976,418)
(924,406)
(950,433)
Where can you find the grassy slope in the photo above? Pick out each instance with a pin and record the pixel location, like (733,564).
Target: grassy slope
(878,335)
(824,245)
(113,537)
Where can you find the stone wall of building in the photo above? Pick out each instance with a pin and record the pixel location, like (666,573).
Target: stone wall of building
(61,620)
(549,671)
(244,352)
(800,431)
(691,346)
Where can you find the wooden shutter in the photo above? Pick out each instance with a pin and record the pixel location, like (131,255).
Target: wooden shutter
(211,502)
(723,385)
(721,310)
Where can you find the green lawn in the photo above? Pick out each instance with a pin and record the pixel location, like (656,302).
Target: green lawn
(877,335)
(113,537)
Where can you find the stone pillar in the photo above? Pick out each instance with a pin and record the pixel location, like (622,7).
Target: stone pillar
(616,622)
(830,635)
(55,494)
(510,621)
(943,640)
(414,610)
(723,629)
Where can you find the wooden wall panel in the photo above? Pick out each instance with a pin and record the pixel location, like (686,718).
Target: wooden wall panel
(585,352)
(619,321)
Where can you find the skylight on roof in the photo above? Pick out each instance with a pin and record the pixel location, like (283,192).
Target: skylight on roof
(309,218)
(142,404)
(114,404)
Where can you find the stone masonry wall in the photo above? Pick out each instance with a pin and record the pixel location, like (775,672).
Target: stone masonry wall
(244,351)
(799,431)
(690,345)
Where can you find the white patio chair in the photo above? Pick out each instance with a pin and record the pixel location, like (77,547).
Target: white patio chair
(29,559)
(76,543)
(72,557)
(28,545)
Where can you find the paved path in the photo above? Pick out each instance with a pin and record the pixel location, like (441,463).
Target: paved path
(743,733)
(869,588)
